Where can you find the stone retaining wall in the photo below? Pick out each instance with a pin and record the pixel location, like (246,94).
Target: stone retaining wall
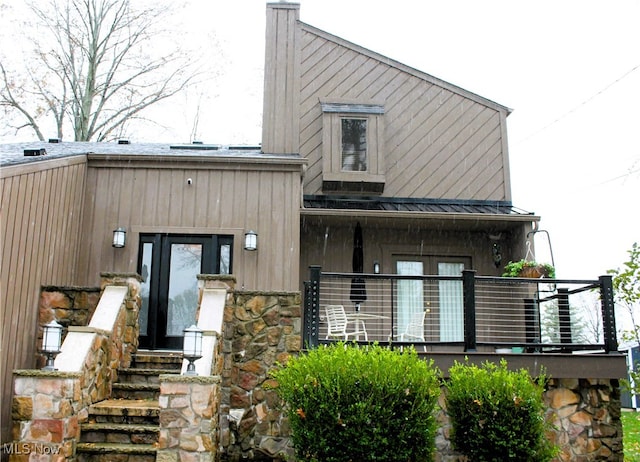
(260,330)
(584,412)
(68,306)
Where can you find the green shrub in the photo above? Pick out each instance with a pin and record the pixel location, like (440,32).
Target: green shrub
(496,414)
(369,403)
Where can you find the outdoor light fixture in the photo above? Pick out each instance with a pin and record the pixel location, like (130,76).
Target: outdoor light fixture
(51,341)
(376,267)
(250,240)
(496,248)
(192,348)
(119,237)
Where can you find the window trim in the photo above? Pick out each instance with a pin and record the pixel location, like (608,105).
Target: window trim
(334,179)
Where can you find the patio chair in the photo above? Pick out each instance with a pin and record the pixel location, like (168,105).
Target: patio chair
(337,324)
(414,330)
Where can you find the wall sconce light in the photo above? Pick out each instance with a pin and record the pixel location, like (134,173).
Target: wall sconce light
(496,251)
(250,240)
(496,248)
(51,341)
(192,348)
(119,237)
(376,267)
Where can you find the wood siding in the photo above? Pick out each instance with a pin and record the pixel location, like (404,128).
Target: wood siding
(281,101)
(225,197)
(330,245)
(439,141)
(40,223)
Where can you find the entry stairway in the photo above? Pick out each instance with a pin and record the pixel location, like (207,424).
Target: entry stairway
(125,428)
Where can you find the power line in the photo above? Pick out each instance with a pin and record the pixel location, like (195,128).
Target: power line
(610,180)
(579,106)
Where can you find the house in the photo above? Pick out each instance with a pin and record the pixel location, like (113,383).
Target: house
(632,353)
(351,140)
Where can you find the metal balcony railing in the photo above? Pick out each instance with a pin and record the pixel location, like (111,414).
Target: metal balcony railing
(466,312)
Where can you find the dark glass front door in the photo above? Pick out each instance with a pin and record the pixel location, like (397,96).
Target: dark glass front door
(169,265)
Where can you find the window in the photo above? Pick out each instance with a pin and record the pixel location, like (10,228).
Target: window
(352,147)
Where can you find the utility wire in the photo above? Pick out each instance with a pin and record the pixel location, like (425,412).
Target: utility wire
(625,175)
(579,106)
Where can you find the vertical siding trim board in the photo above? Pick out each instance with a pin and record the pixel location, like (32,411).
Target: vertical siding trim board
(506,169)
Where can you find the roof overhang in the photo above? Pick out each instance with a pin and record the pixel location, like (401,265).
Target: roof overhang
(423,214)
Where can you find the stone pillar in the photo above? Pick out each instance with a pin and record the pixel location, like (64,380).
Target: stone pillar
(188,418)
(133,302)
(210,320)
(44,414)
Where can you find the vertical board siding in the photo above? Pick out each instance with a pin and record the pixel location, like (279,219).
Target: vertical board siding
(220,200)
(282,84)
(41,213)
(429,128)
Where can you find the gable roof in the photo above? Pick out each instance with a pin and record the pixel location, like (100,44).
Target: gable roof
(405,68)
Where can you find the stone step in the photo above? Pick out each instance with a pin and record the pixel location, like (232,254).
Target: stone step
(116,452)
(119,433)
(153,359)
(135,391)
(138,375)
(125,411)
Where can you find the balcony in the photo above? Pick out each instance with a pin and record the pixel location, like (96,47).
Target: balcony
(565,326)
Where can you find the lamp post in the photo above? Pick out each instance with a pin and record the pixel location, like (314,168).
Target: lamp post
(192,348)
(51,341)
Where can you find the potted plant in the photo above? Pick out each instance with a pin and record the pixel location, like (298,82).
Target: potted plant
(528,269)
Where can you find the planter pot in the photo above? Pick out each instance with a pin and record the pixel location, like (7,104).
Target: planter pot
(535,272)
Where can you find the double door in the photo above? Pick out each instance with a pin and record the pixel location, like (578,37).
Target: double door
(169,264)
(440,302)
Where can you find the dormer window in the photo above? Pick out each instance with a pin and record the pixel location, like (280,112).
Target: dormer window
(352,147)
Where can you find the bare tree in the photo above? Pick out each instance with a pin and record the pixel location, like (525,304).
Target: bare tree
(96,68)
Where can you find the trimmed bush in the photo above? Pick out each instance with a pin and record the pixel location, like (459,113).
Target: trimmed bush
(369,403)
(496,414)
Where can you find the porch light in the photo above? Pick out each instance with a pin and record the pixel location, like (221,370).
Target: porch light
(250,240)
(119,237)
(192,348)
(51,341)
(376,267)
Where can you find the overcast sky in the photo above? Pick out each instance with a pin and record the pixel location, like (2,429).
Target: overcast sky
(569,69)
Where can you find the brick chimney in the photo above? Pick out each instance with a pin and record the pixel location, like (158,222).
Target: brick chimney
(281,111)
